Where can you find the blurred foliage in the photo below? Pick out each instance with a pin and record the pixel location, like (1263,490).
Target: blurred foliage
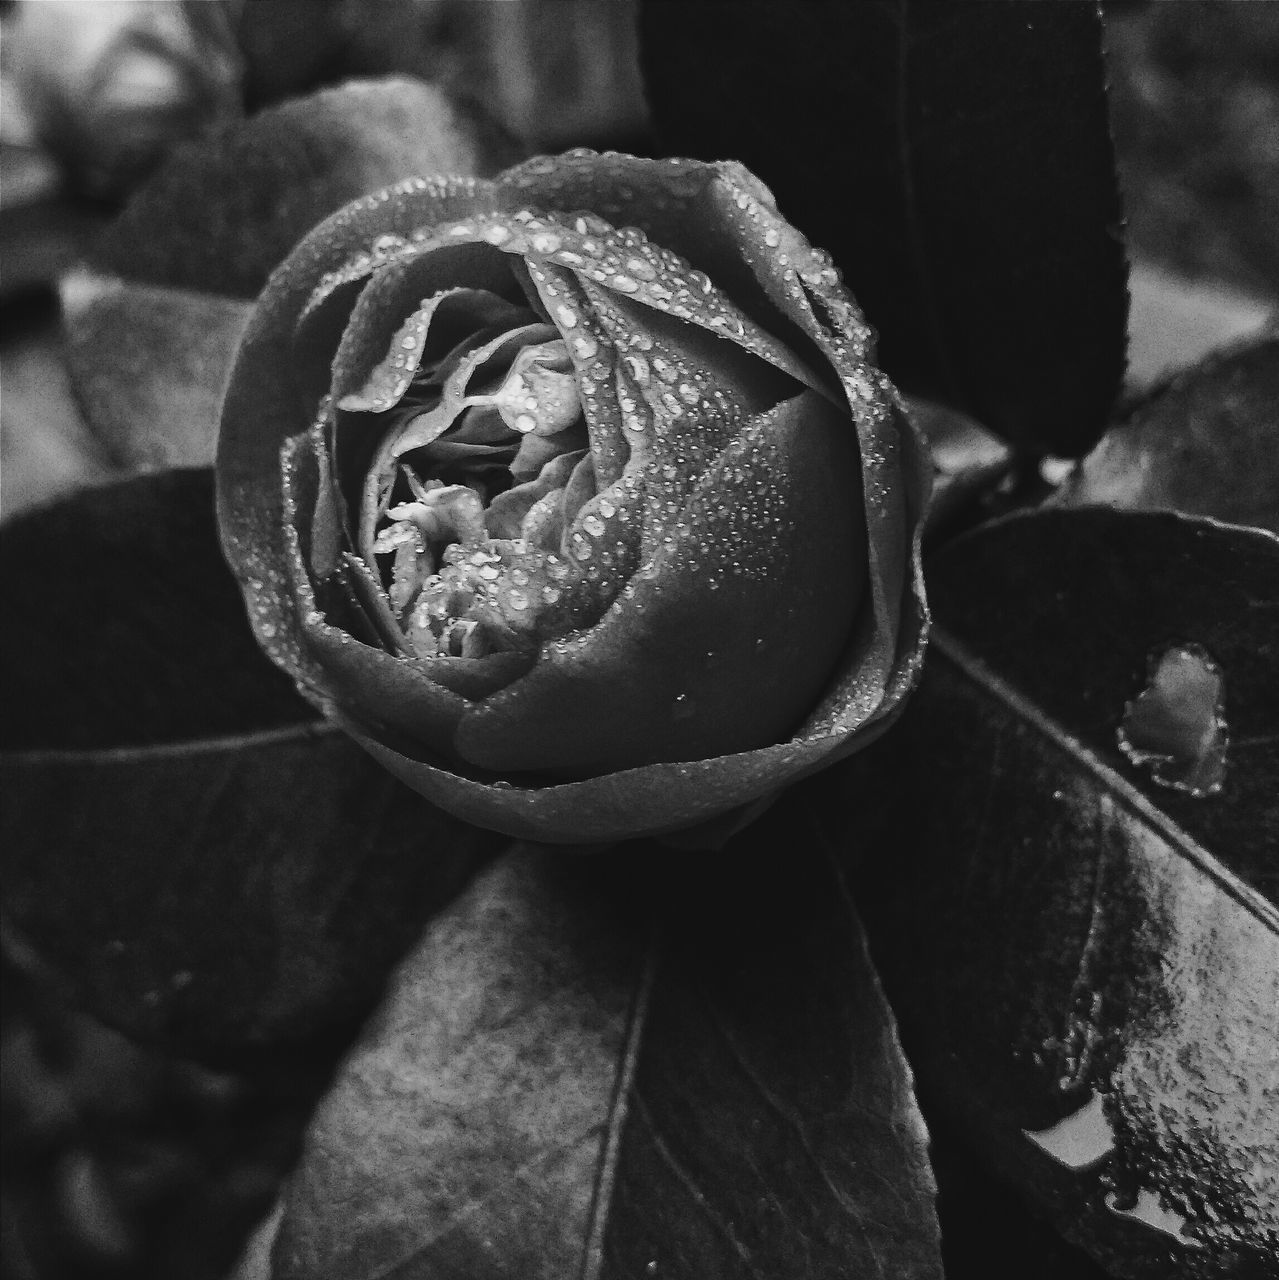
(1195,112)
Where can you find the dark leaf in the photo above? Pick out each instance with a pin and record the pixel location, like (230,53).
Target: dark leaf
(1085,962)
(773,1130)
(222,212)
(631,1065)
(968,465)
(155,316)
(1207,444)
(972,205)
(199,856)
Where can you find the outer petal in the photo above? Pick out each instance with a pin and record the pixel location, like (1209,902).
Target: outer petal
(712,649)
(264,407)
(680,204)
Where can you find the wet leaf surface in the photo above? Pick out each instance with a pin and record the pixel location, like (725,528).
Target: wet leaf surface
(642,1063)
(1086,964)
(201,859)
(1206,444)
(976,187)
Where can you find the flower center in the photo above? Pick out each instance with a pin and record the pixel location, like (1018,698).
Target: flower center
(468,497)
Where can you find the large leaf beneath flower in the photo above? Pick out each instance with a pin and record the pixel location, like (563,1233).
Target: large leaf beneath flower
(1207,444)
(955,158)
(1074,908)
(155,315)
(200,857)
(626,1066)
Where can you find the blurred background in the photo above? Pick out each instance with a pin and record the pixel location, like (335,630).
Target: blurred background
(120,1160)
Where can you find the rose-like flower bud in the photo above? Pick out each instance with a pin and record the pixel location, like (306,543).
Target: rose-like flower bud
(575,496)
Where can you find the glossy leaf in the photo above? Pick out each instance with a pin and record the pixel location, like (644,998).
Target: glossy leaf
(1085,962)
(1206,444)
(956,160)
(198,856)
(626,1066)
(155,315)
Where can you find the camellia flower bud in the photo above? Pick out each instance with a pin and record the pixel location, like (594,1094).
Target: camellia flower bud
(575,496)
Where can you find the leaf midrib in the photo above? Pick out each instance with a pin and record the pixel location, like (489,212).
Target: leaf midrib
(177,749)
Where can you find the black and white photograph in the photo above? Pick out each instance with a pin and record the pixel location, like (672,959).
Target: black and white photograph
(640,639)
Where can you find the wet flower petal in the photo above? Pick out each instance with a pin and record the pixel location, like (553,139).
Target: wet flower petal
(663,509)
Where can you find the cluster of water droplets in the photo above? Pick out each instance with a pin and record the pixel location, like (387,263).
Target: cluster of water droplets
(656,424)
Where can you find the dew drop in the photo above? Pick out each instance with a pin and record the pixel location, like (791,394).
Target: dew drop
(544,242)
(640,269)
(772,237)
(585,347)
(566,316)
(593,525)
(1176,726)
(624,284)
(496,234)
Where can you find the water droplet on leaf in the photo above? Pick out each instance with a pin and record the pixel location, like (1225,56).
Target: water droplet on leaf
(1177,725)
